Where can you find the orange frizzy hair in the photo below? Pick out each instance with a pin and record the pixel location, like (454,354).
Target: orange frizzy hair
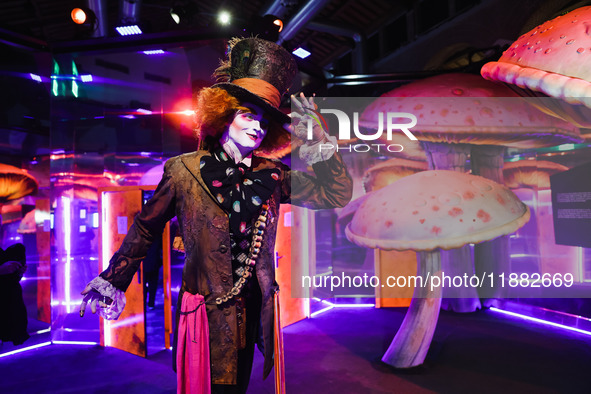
(215,109)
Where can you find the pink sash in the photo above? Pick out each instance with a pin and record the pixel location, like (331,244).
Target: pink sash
(192,355)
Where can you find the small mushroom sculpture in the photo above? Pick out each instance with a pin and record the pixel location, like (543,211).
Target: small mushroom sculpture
(389,171)
(427,212)
(530,180)
(533,174)
(554,59)
(377,177)
(15,183)
(27,224)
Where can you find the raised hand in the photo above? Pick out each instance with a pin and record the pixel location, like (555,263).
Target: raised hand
(306,111)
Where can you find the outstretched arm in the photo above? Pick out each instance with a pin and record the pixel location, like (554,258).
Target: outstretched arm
(107,290)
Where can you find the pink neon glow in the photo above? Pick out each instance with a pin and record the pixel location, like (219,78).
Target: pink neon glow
(74,343)
(68,249)
(128,322)
(106,236)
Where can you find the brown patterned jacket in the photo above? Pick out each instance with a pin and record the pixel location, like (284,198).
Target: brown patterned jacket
(205,231)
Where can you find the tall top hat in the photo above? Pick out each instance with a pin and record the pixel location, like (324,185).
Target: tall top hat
(259,72)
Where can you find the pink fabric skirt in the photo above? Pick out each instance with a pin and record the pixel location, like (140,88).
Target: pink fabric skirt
(192,356)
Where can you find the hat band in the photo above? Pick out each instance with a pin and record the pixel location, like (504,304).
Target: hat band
(261,88)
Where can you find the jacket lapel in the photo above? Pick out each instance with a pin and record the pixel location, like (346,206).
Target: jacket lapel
(192,162)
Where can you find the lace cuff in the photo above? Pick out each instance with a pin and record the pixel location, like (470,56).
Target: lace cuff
(106,289)
(314,152)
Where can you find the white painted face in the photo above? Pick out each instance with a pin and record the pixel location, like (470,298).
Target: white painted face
(247,130)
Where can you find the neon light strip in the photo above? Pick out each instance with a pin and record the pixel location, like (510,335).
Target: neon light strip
(25,349)
(71,303)
(354,305)
(106,236)
(306,263)
(75,343)
(322,311)
(42,331)
(332,306)
(345,305)
(35,278)
(534,319)
(68,249)
(580,264)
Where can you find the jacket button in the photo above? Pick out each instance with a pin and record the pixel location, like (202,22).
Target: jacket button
(224,278)
(227,311)
(223,248)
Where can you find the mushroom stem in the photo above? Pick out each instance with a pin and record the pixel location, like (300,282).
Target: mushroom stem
(455,262)
(411,343)
(443,156)
(490,256)
(487,161)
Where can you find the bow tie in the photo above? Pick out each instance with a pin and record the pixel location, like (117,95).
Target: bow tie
(239,190)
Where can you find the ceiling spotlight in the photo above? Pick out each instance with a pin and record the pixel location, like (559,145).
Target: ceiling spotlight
(267,27)
(83,16)
(128,30)
(154,52)
(176,14)
(224,18)
(35,77)
(301,53)
(183,12)
(78,16)
(279,23)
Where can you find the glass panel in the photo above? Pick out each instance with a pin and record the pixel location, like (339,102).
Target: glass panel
(116,117)
(24,211)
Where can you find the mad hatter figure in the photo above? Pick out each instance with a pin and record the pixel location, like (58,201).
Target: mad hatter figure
(226,197)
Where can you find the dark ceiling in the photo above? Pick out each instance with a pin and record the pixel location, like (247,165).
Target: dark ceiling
(359,47)
(330,29)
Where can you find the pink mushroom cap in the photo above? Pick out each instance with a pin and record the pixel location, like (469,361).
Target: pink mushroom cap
(466,108)
(554,58)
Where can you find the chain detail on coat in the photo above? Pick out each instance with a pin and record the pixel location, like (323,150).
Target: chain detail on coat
(253,254)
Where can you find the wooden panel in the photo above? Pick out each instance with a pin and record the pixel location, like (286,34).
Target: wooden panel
(292,309)
(394,263)
(118,208)
(44,268)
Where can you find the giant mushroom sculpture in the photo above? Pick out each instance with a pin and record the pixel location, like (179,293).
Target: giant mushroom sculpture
(553,59)
(401,216)
(463,116)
